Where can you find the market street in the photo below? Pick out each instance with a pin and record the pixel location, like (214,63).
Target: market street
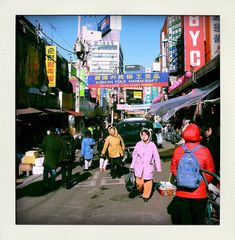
(94,199)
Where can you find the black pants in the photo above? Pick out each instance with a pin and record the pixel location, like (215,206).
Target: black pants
(66,172)
(115,167)
(187,210)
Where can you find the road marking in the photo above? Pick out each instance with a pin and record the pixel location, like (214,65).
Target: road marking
(104,181)
(110,181)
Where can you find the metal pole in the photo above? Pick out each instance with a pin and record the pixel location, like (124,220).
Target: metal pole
(77,98)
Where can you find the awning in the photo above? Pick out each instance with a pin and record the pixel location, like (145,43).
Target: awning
(76,114)
(168,108)
(54,110)
(27,111)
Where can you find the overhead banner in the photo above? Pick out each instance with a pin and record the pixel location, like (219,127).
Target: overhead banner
(159,79)
(51,65)
(194,42)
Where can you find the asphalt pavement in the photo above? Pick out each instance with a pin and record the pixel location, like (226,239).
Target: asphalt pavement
(94,199)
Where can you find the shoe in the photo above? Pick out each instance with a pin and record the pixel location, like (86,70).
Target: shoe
(140,195)
(145,199)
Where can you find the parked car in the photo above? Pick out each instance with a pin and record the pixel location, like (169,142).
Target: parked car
(130,132)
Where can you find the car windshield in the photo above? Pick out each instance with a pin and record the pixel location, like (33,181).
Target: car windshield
(133,126)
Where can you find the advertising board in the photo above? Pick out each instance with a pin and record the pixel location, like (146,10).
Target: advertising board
(128,80)
(194,42)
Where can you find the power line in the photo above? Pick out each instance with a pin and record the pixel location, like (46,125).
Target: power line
(68,44)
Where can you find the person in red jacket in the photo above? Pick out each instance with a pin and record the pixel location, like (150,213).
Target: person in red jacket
(189,207)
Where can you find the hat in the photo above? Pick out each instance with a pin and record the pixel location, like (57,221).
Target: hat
(192,133)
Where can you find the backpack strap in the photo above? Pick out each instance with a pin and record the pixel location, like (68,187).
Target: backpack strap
(196,148)
(185,148)
(193,150)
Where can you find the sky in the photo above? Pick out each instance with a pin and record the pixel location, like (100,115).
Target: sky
(140,35)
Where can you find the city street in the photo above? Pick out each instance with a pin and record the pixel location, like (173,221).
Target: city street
(94,199)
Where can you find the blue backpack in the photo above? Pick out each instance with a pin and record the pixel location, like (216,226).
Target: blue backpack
(188,171)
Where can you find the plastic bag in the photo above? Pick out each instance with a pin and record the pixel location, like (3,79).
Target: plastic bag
(130,181)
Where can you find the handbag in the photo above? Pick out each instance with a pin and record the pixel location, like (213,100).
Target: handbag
(130,181)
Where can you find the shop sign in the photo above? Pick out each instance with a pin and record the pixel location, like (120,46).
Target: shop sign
(194,42)
(51,65)
(159,79)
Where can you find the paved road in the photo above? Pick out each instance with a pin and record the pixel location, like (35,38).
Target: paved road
(95,198)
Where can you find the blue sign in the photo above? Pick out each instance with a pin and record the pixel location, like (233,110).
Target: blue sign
(159,79)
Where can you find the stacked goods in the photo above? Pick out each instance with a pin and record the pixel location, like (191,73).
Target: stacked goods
(25,167)
(29,157)
(32,161)
(38,166)
(166,189)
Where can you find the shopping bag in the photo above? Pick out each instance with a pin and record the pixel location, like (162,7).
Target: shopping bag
(130,181)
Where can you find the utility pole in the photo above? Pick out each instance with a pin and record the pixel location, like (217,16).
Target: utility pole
(77,48)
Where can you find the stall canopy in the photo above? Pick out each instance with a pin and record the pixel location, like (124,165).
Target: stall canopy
(76,114)
(27,111)
(168,108)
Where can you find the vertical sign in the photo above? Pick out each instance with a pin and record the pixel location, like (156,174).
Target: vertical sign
(51,65)
(215,35)
(194,42)
(82,85)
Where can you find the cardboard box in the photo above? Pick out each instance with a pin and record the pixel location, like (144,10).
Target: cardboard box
(37,170)
(25,168)
(28,160)
(32,153)
(39,162)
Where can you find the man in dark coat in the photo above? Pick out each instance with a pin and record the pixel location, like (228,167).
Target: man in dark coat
(66,161)
(52,147)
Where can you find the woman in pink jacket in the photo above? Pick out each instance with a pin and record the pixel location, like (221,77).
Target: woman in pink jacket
(145,156)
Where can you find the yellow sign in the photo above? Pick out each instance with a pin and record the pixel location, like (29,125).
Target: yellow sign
(51,65)
(137,94)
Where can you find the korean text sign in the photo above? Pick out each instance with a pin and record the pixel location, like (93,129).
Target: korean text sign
(159,79)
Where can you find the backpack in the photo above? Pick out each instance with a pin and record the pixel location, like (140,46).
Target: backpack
(68,151)
(188,171)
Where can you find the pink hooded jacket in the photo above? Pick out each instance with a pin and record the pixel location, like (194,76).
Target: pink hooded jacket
(145,156)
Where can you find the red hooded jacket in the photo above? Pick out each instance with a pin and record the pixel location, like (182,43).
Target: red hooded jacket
(192,138)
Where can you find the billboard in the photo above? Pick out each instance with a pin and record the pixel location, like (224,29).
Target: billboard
(194,42)
(159,79)
(132,68)
(51,65)
(104,25)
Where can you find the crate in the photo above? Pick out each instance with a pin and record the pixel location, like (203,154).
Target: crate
(24,167)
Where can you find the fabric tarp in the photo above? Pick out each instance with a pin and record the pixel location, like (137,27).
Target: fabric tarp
(168,108)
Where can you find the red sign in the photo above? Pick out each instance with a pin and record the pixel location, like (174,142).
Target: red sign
(194,42)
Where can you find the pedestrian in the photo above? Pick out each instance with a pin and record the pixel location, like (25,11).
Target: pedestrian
(189,206)
(185,123)
(67,157)
(87,150)
(52,147)
(145,156)
(212,142)
(115,146)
